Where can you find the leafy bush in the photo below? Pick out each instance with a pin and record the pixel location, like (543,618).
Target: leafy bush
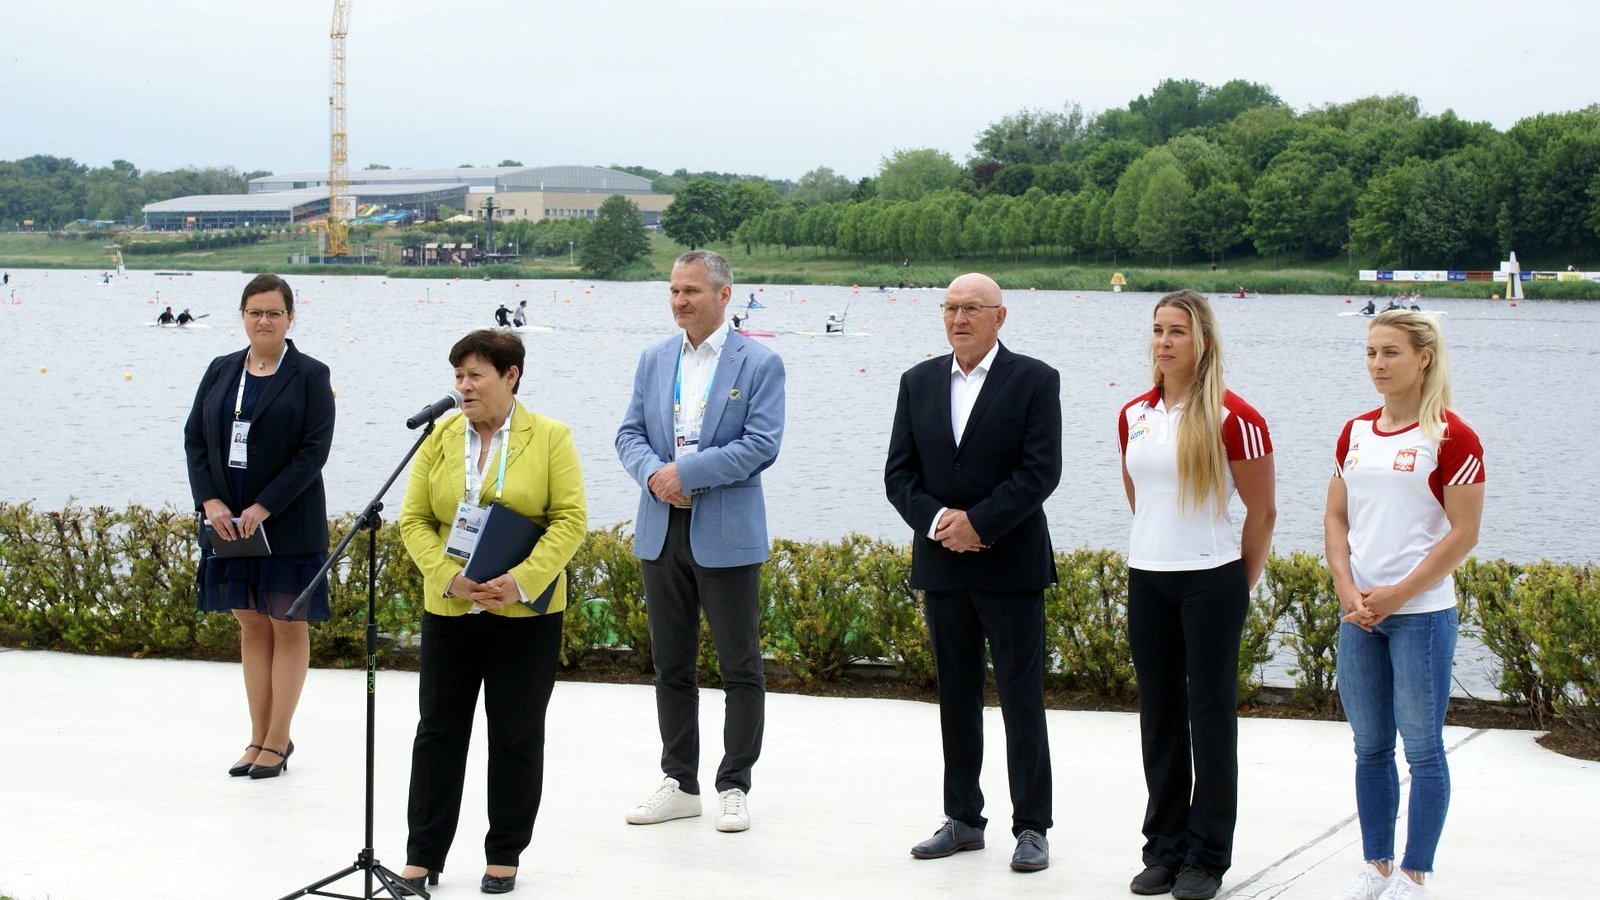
(1492,611)
(1305,589)
(1258,644)
(618,581)
(1567,634)
(122,582)
(817,612)
(1086,623)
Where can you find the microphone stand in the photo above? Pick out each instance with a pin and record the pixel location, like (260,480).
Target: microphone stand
(389,883)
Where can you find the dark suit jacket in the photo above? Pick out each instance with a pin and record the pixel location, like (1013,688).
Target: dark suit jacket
(289,440)
(1008,463)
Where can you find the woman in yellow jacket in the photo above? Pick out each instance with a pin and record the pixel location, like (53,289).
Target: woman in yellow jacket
(504,633)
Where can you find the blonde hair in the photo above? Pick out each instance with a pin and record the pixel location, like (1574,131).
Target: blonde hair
(1426,336)
(1202,460)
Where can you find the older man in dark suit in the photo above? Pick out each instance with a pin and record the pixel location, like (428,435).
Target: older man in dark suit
(974,453)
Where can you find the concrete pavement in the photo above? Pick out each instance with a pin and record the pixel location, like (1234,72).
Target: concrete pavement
(113,784)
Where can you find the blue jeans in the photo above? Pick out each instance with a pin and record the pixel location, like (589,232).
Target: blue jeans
(1397,679)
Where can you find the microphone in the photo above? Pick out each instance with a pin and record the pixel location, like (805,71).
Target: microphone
(434,410)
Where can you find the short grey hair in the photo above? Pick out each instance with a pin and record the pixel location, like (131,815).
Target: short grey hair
(716,266)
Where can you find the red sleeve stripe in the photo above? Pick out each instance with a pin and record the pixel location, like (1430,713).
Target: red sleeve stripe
(1468,473)
(1253,445)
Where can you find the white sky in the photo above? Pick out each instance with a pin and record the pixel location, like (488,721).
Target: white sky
(767,87)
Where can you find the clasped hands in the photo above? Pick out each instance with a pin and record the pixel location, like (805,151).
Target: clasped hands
(667,486)
(221,519)
(1367,609)
(492,594)
(956,533)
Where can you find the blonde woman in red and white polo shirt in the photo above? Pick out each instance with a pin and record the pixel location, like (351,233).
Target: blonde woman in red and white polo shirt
(1403,511)
(1188,445)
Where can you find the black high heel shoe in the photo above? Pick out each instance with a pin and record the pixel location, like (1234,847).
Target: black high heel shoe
(258,771)
(238,769)
(497,884)
(415,885)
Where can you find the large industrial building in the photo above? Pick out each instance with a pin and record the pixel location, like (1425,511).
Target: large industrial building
(528,193)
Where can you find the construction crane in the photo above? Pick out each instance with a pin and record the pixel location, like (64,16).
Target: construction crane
(338,146)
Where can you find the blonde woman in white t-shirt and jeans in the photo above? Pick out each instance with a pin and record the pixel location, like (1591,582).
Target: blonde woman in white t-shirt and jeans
(1403,511)
(1188,444)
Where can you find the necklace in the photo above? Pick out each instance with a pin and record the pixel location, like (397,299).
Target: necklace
(261,364)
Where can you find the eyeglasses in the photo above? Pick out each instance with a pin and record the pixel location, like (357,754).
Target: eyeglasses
(970,310)
(271,315)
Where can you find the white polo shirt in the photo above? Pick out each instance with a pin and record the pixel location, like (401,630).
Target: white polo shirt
(1170,535)
(1394,487)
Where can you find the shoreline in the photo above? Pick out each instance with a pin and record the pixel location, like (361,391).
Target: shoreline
(804,267)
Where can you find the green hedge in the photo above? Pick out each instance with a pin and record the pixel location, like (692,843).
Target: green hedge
(121,582)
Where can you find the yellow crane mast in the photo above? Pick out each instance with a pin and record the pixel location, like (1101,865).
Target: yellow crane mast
(338,146)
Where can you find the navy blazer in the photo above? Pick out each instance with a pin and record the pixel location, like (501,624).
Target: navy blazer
(290,436)
(1008,464)
(739,438)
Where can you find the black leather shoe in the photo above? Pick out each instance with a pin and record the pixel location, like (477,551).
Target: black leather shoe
(238,769)
(1032,854)
(951,838)
(1195,884)
(416,886)
(1153,880)
(260,771)
(495,884)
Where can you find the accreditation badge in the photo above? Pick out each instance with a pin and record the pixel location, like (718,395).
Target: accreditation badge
(685,442)
(239,445)
(464,534)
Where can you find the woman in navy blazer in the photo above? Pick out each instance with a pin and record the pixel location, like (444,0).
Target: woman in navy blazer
(256,440)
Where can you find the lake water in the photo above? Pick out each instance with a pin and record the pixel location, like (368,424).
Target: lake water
(102,423)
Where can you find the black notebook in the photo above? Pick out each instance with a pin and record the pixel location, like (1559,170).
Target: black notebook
(254,545)
(506,539)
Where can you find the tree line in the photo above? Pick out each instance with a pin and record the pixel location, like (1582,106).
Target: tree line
(1194,172)
(53,191)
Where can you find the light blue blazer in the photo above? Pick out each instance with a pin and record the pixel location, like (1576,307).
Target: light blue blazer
(739,437)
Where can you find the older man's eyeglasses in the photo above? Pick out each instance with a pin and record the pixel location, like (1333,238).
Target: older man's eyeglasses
(271,315)
(970,310)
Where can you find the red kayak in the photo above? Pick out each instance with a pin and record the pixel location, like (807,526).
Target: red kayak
(751,332)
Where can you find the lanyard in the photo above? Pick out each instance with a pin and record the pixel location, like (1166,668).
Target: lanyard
(677,387)
(238,399)
(505,451)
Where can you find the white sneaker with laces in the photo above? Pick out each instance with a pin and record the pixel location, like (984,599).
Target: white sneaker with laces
(735,811)
(667,803)
(1369,885)
(1401,887)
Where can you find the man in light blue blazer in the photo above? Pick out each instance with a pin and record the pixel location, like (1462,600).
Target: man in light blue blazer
(705,420)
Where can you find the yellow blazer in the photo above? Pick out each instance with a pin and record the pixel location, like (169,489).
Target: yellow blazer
(543,482)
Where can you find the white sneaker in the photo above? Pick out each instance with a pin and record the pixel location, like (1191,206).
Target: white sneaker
(735,811)
(1401,887)
(667,803)
(1369,885)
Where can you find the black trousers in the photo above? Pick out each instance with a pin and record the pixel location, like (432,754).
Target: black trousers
(676,589)
(515,661)
(1184,629)
(1013,623)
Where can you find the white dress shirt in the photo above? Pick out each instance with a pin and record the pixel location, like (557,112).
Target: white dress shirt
(964,390)
(696,367)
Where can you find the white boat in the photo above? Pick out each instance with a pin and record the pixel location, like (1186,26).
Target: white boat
(192,326)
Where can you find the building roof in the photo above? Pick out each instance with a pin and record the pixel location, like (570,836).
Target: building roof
(547,178)
(285,200)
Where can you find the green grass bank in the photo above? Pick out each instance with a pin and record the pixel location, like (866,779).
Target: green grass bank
(765,265)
